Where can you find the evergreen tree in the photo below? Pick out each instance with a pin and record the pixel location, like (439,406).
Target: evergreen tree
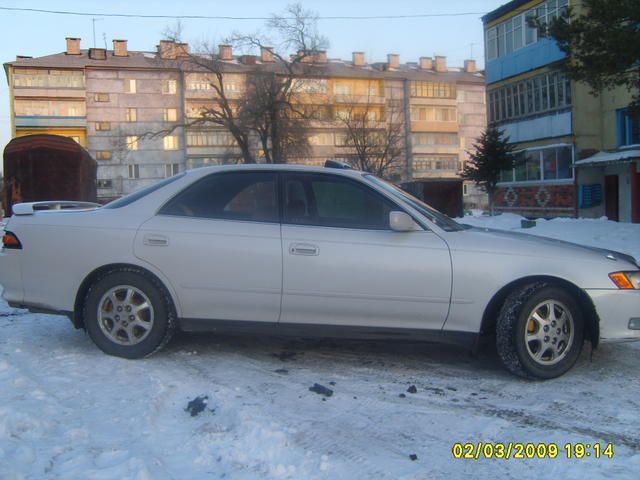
(602,39)
(492,154)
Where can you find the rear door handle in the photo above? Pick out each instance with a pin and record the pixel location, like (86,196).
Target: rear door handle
(307,249)
(155,240)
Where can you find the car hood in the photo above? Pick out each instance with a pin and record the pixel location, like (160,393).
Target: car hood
(516,243)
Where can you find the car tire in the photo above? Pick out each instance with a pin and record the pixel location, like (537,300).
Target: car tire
(539,331)
(129,314)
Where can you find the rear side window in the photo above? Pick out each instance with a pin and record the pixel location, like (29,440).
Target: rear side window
(332,201)
(135,196)
(247,196)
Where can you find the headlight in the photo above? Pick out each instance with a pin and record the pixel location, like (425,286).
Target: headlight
(626,280)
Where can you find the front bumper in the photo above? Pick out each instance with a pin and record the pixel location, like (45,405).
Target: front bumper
(615,309)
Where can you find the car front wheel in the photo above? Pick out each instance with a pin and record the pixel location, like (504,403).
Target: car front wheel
(540,331)
(128,314)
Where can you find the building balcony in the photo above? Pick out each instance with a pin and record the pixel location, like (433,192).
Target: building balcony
(426,126)
(37,121)
(536,55)
(359,99)
(39,92)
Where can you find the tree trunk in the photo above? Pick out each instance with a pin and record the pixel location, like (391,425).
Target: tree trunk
(246,153)
(490,195)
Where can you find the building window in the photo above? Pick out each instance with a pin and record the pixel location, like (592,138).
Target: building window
(543,93)
(516,33)
(544,164)
(465,189)
(103,183)
(325,138)
(433,89)
(434,139)
(101,97)
(103,155)
(132,142)
(49,108)
(169,87)
(197,162)
(342,89)
(103,126)
(170,142)
(197,81)
(45,78)
(131,115)
(171,169)
(130,85)
(210,139)
(310,85)
(170,115)
(430,163)
(433,114)
(134,171)
(627,127)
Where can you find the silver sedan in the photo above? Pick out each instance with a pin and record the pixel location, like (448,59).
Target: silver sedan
(311,251)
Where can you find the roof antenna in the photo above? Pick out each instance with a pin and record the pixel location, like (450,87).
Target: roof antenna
(94,20)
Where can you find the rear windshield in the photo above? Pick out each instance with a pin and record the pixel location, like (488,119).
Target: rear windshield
(132,197)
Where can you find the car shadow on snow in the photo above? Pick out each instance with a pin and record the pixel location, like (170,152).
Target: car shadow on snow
(341,354)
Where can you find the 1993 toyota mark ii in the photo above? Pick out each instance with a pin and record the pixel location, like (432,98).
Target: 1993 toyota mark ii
(311,251)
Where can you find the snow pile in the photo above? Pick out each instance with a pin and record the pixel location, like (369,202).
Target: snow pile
(602,233)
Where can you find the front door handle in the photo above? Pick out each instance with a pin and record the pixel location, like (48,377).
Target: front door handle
(307,249)
(155,240)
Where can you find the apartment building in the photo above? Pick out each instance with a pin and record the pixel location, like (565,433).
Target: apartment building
(556,125)
(110,100)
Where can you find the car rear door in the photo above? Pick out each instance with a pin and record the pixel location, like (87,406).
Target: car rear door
(218,242)
(343,265)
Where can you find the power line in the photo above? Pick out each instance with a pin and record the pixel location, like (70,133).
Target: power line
(222,17)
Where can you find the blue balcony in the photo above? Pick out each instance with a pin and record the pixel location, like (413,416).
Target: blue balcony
(536,55)
(38,121)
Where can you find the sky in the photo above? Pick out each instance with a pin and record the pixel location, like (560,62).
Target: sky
(458,37)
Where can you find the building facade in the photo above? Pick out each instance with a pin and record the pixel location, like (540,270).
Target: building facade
(555,124)
(110,100)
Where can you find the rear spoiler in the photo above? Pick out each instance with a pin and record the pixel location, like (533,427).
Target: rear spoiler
(32,207)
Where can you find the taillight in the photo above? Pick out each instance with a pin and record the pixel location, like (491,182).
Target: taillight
(9,240)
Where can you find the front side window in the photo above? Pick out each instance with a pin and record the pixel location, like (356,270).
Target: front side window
(246,196)
(330,201)
(439,218)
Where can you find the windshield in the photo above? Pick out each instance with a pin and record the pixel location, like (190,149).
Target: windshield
(132,197)
(440,219)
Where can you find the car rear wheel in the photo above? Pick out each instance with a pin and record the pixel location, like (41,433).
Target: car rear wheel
(129,314)
(540,331)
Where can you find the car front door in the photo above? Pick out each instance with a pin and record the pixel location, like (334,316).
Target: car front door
(343,265)
(218,242)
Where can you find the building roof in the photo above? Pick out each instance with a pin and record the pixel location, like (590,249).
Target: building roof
(603,158)
(503,10)
(332,68)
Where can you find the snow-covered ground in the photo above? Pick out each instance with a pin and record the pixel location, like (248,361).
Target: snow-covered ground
(67,411)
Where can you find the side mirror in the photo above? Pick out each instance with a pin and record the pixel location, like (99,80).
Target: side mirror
(402,222)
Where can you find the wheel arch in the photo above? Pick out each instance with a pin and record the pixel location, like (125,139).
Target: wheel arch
(590,315)
(76,318)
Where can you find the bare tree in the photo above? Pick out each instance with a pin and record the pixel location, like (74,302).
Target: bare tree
(374,132)
(278,120)
(265,110)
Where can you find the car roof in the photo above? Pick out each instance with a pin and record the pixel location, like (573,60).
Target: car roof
(278,167)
